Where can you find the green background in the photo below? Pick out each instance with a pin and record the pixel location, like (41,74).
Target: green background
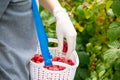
(97,23)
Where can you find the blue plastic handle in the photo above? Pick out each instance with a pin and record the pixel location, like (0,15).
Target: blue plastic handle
(42,36)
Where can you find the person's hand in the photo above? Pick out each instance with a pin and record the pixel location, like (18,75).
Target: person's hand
(64,29)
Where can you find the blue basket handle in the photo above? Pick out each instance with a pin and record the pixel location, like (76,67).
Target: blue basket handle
(42,36)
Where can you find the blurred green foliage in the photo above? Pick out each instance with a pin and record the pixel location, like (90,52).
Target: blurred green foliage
(97,23)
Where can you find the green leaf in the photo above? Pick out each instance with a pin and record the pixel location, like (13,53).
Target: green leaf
(73,19)
(51,20)
(77,75)
(100,68)
(110,56)
(114,31)
(117,75)
(108,4)
(84,59)
(80,13)
(94,75)
(51,35)
(114,44)
(118,53)
(87,14)
(116,7)
(117,65)
(81,74)
(89,28)
(44,14)
(97,49)
(84,73)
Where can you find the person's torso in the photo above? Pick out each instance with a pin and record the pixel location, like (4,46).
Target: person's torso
(17,25)
(18,40)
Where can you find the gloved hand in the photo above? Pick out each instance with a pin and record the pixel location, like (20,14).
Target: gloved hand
(64,29)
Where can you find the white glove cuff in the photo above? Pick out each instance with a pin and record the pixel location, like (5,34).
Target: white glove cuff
(58,10)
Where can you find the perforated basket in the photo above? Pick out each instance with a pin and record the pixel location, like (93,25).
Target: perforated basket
(38,72)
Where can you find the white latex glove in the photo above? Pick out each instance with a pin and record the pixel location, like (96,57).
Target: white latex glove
(64,29)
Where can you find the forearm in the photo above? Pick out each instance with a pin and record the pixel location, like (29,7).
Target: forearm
(49,4)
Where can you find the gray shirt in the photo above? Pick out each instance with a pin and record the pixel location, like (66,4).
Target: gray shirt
(18,41)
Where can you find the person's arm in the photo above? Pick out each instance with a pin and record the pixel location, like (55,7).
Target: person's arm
(64,26)
(49,4)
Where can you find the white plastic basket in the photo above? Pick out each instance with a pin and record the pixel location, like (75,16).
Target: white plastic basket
(39,73)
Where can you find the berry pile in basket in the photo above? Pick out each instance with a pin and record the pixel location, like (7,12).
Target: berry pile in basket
(39,59)
(62,59)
